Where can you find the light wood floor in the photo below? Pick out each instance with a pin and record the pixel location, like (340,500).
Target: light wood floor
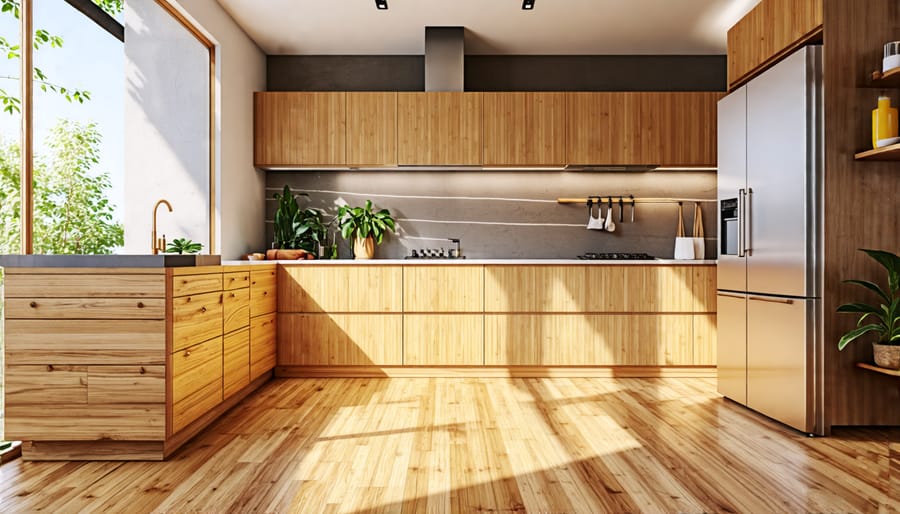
(483,445)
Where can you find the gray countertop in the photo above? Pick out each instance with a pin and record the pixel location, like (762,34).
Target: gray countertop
(167,260)
(478,262)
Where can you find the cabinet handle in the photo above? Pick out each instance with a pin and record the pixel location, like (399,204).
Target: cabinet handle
(33,305)
(265,293)
(50,367)
(187,353)
(203,309)
(143,370)
(140,305)
(786,301)
(232,295)
(729,295)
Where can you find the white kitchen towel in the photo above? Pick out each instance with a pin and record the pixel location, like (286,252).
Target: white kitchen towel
(598,222)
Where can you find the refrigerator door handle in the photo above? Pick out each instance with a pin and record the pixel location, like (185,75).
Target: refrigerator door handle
(731,295)
(748,236)
(740,214)
(786,301)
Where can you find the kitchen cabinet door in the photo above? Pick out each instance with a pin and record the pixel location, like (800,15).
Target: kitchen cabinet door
(443,289)
(678,129)
(262,345)
(340,340)
(235,361)
(300,129)
(603,128)
(372,129)
(439,128)
(443,340)
(524,129)
(352,288)
(196,382)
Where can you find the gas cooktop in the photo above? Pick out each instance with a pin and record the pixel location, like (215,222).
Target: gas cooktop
(592,256)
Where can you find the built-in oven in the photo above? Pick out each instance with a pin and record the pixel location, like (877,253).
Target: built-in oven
(728,214)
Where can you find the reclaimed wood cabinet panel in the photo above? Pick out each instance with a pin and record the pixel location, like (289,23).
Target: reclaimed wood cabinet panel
(235,361)
(263,292)
(300,129)
(770,30)
(443,289)
(372,129)
(40,384)
(443,340)
(235,280)
(195,318)
(705,342)
(184,285)
(704,288)
(439,128)
(73,342)
(235,309)
(340,339)
(678,129)
(52,285)
(341,289)
(69,422)
(126,384)
(524,129)
(263,333)
(534,288)
(603,128)
(658,289)
(587,340)
(85,308)
(196,382)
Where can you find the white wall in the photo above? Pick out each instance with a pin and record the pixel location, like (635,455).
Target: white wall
(241,70)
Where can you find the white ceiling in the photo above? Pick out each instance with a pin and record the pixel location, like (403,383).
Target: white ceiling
(573,27)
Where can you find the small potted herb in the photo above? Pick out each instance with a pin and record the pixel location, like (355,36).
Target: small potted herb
(883,317)
(298,232)
(182,246)
(365,227)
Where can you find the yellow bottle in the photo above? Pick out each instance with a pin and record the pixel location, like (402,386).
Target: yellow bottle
(884,121)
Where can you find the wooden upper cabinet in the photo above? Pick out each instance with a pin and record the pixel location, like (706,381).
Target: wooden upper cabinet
(372,129)
(678,129)
(602,128)
(665,128)
(439,128)
(300,129)
(524,129)
(770,30)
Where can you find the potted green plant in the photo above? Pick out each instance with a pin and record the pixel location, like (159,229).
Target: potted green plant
(182,246)
(884,317)
(298,232)
(365,227)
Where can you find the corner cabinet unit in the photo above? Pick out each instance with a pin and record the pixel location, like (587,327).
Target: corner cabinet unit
(300,129)
(496,320)
(125,363)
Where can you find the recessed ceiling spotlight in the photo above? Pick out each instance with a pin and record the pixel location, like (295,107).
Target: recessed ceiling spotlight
(528,5)
(381,4)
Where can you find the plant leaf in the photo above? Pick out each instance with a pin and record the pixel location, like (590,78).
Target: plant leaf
(872,287)
(858,332)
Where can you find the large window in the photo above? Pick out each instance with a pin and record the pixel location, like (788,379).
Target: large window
(75,127)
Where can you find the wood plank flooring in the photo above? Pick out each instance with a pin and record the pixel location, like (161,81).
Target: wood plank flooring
(559,445)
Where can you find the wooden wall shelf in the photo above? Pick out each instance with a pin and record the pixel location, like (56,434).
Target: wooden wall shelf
(891,79)
(885,153)
(885,371)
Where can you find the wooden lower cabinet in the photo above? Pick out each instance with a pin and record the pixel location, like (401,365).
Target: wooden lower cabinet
(263,333)
(196,318)
(443,339)
(235,361)
(587,340)
(236,309)
(705,343)
(340,339)
(196,382)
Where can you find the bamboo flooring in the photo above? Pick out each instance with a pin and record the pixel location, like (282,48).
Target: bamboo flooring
(560,445)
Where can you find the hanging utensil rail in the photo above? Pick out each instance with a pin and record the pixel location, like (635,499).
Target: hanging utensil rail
(628,199)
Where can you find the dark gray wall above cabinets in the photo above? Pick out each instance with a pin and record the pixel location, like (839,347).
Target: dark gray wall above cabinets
(505,214)
(502,73)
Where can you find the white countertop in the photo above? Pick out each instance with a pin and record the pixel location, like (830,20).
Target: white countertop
(476,262)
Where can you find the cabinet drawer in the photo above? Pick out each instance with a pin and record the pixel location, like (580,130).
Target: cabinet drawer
(85,308)
(196,318)
(340,339)
(236,361)
(43,384)
(262,345)
(196,382)
(183,285)
(443,289)
(262,292)
(341,289)
(443,340)
(235,280)
(126,384)
(236,305)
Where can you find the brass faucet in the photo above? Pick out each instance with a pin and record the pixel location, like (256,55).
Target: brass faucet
(158,245)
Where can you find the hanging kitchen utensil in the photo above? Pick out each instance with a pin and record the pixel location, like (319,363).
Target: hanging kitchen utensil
(684,246)
(621,210)
(595,223)
(699,241)
(609,225)
(631,197)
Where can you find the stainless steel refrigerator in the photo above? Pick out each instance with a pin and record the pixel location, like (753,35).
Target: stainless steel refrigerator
(770,152)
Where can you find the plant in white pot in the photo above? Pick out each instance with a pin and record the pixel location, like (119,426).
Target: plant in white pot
(884,318)
(365,227)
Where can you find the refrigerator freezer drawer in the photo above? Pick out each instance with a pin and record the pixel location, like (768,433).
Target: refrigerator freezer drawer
(780,359)
(732,346)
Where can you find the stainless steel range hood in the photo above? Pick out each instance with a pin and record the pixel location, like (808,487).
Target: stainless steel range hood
(444,58)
